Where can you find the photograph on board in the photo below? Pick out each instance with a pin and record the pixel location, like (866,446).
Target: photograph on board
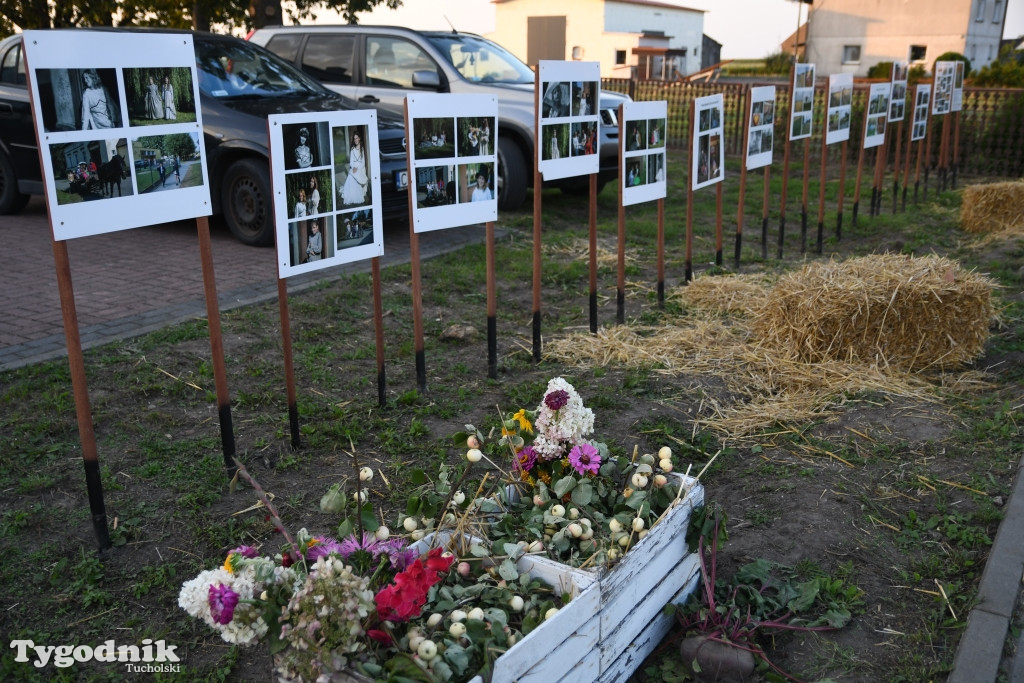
(636,171)
(583,138)
(760,126)
(656,168)
(584,98)
(838,115)
(921,108)
(435,186)
(435,138)
(656,133)
(475,136)
(303,195)
(555,141)
(91,170)
(476,182)
(307,145)
(708,157)
(877,113)
(355,228)
(802,102)
(159,95)
(636,135)
(78,99)
(167,162)
(555,102)
(351,166)
(311,240)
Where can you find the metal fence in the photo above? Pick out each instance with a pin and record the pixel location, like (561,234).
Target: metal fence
(991,122)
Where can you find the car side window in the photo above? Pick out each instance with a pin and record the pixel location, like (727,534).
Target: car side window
(12,66)
(330,58)
(392,61)
(285,45)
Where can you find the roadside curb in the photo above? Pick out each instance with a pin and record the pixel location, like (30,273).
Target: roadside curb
(979,656)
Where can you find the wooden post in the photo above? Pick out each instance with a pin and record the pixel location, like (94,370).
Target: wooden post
(927,143)
(378,326)
(842,188)
(220,375)
(860,165)
(956,146)
(689,194)
(821,193)
(944,152)
(785,162)
(803,196)
(743,178)
(593,238)
(661,252)
(906,165)
(537,185)
(896,165)
(876,180)
(83,410)
(718,221)
(620,289)
(921,147)
(289,364)
(414,262)
(492,306)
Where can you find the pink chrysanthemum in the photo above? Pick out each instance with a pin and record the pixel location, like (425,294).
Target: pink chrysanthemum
(585,459)
(322,547)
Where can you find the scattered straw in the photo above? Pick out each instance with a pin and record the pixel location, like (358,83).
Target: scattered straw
(995,207)
(579,249)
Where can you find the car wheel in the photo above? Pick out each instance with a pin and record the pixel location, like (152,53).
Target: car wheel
(11,201)
(511,185)
(245,198)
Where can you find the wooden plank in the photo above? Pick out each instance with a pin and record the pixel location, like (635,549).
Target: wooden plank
(540,663)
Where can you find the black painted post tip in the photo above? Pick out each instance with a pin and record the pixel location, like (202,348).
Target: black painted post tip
(536,336)
(839,225)
(421,372)
(661,294)
(739,243)
(821,235)
(620,306)
(689,272)
(856,208)
(293,424)
(593,312)
(382,392)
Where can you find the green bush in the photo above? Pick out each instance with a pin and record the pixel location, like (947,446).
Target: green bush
(1007,71)
(880,70)
(778,63)
(953,57)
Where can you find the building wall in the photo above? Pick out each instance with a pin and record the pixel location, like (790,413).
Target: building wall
(885,30)
(601,29)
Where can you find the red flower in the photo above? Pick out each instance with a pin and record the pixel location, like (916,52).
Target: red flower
(380,636)
(406,597)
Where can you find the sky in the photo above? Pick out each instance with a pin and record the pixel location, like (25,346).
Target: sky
(745,28)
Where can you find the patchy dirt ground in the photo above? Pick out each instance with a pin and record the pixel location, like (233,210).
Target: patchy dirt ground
(897,497)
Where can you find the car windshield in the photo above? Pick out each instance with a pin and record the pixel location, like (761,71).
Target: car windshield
(229,69)
(479,60)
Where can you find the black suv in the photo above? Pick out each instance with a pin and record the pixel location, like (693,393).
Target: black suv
(234,130)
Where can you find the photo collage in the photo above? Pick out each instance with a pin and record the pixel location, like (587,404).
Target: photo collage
(877,114)
(760,142)
(958,87)
(942,101)
(117,134)
(898,98)
(325,189)
(802,104)
(643,151)
(708,149)
(568,119)
(839,108)
(921,102)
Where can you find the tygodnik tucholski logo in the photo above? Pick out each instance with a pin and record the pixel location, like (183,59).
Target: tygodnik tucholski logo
(151,657)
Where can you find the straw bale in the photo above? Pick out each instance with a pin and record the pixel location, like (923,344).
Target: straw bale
(995,207)
(890,310)
(744,293)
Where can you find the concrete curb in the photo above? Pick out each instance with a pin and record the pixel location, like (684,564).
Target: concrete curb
(979,656)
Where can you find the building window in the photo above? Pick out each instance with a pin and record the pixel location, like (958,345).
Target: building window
(918,52)
(997,11)
(620,56)
(980,16)
(851,54)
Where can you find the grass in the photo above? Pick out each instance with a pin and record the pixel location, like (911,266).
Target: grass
(867,502)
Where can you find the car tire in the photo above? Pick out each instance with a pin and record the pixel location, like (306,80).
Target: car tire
(11,201)
(511,185)
(245,198)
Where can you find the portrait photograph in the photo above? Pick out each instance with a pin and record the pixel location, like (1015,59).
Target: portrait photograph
(476,183)
(435,186)
(92,170)
(79,99)
(636,172)
(584,98)
(306,145)
(159,95)
(476,136)
(304,196)
(655,168)
(352,171)
(555,141)
(636,135)
(583,138)
(311,240)
(435,138)
(555,102)
(656,133)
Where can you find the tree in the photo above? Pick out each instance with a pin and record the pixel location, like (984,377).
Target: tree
(199,14)
(181,145)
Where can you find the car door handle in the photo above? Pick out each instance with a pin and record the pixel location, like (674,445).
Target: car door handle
(369,99)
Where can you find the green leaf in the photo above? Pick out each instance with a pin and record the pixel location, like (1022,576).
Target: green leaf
(413,506)
(418,477)
(759,571)
(808,593)
(563,486)
(370,522)
(583,493)
(478,550)
(837,618)
(345,528)
(508,570)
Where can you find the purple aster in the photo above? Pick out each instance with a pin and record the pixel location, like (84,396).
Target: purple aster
(324,546)
(526,459)
(222,603)
(245,551)
(584,458)
(556,399)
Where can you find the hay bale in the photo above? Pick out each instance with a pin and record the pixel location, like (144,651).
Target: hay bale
(995,207)
(886,310)
(744,293)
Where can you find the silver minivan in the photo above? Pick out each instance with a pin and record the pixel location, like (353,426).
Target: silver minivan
(377,66)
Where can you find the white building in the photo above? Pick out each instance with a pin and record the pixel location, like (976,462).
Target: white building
(641,38)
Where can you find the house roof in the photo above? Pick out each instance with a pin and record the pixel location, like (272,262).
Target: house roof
(801,37)
(646,3)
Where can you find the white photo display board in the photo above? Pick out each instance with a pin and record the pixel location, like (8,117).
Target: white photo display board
(568,119)
(898,101)
(878,111)
(958,87)
(942,101)
(801,110)
(119,127)
(454,160)
(761,143)
(920,129)
(326,178)
(642,168)
(707,165)
(839,108)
